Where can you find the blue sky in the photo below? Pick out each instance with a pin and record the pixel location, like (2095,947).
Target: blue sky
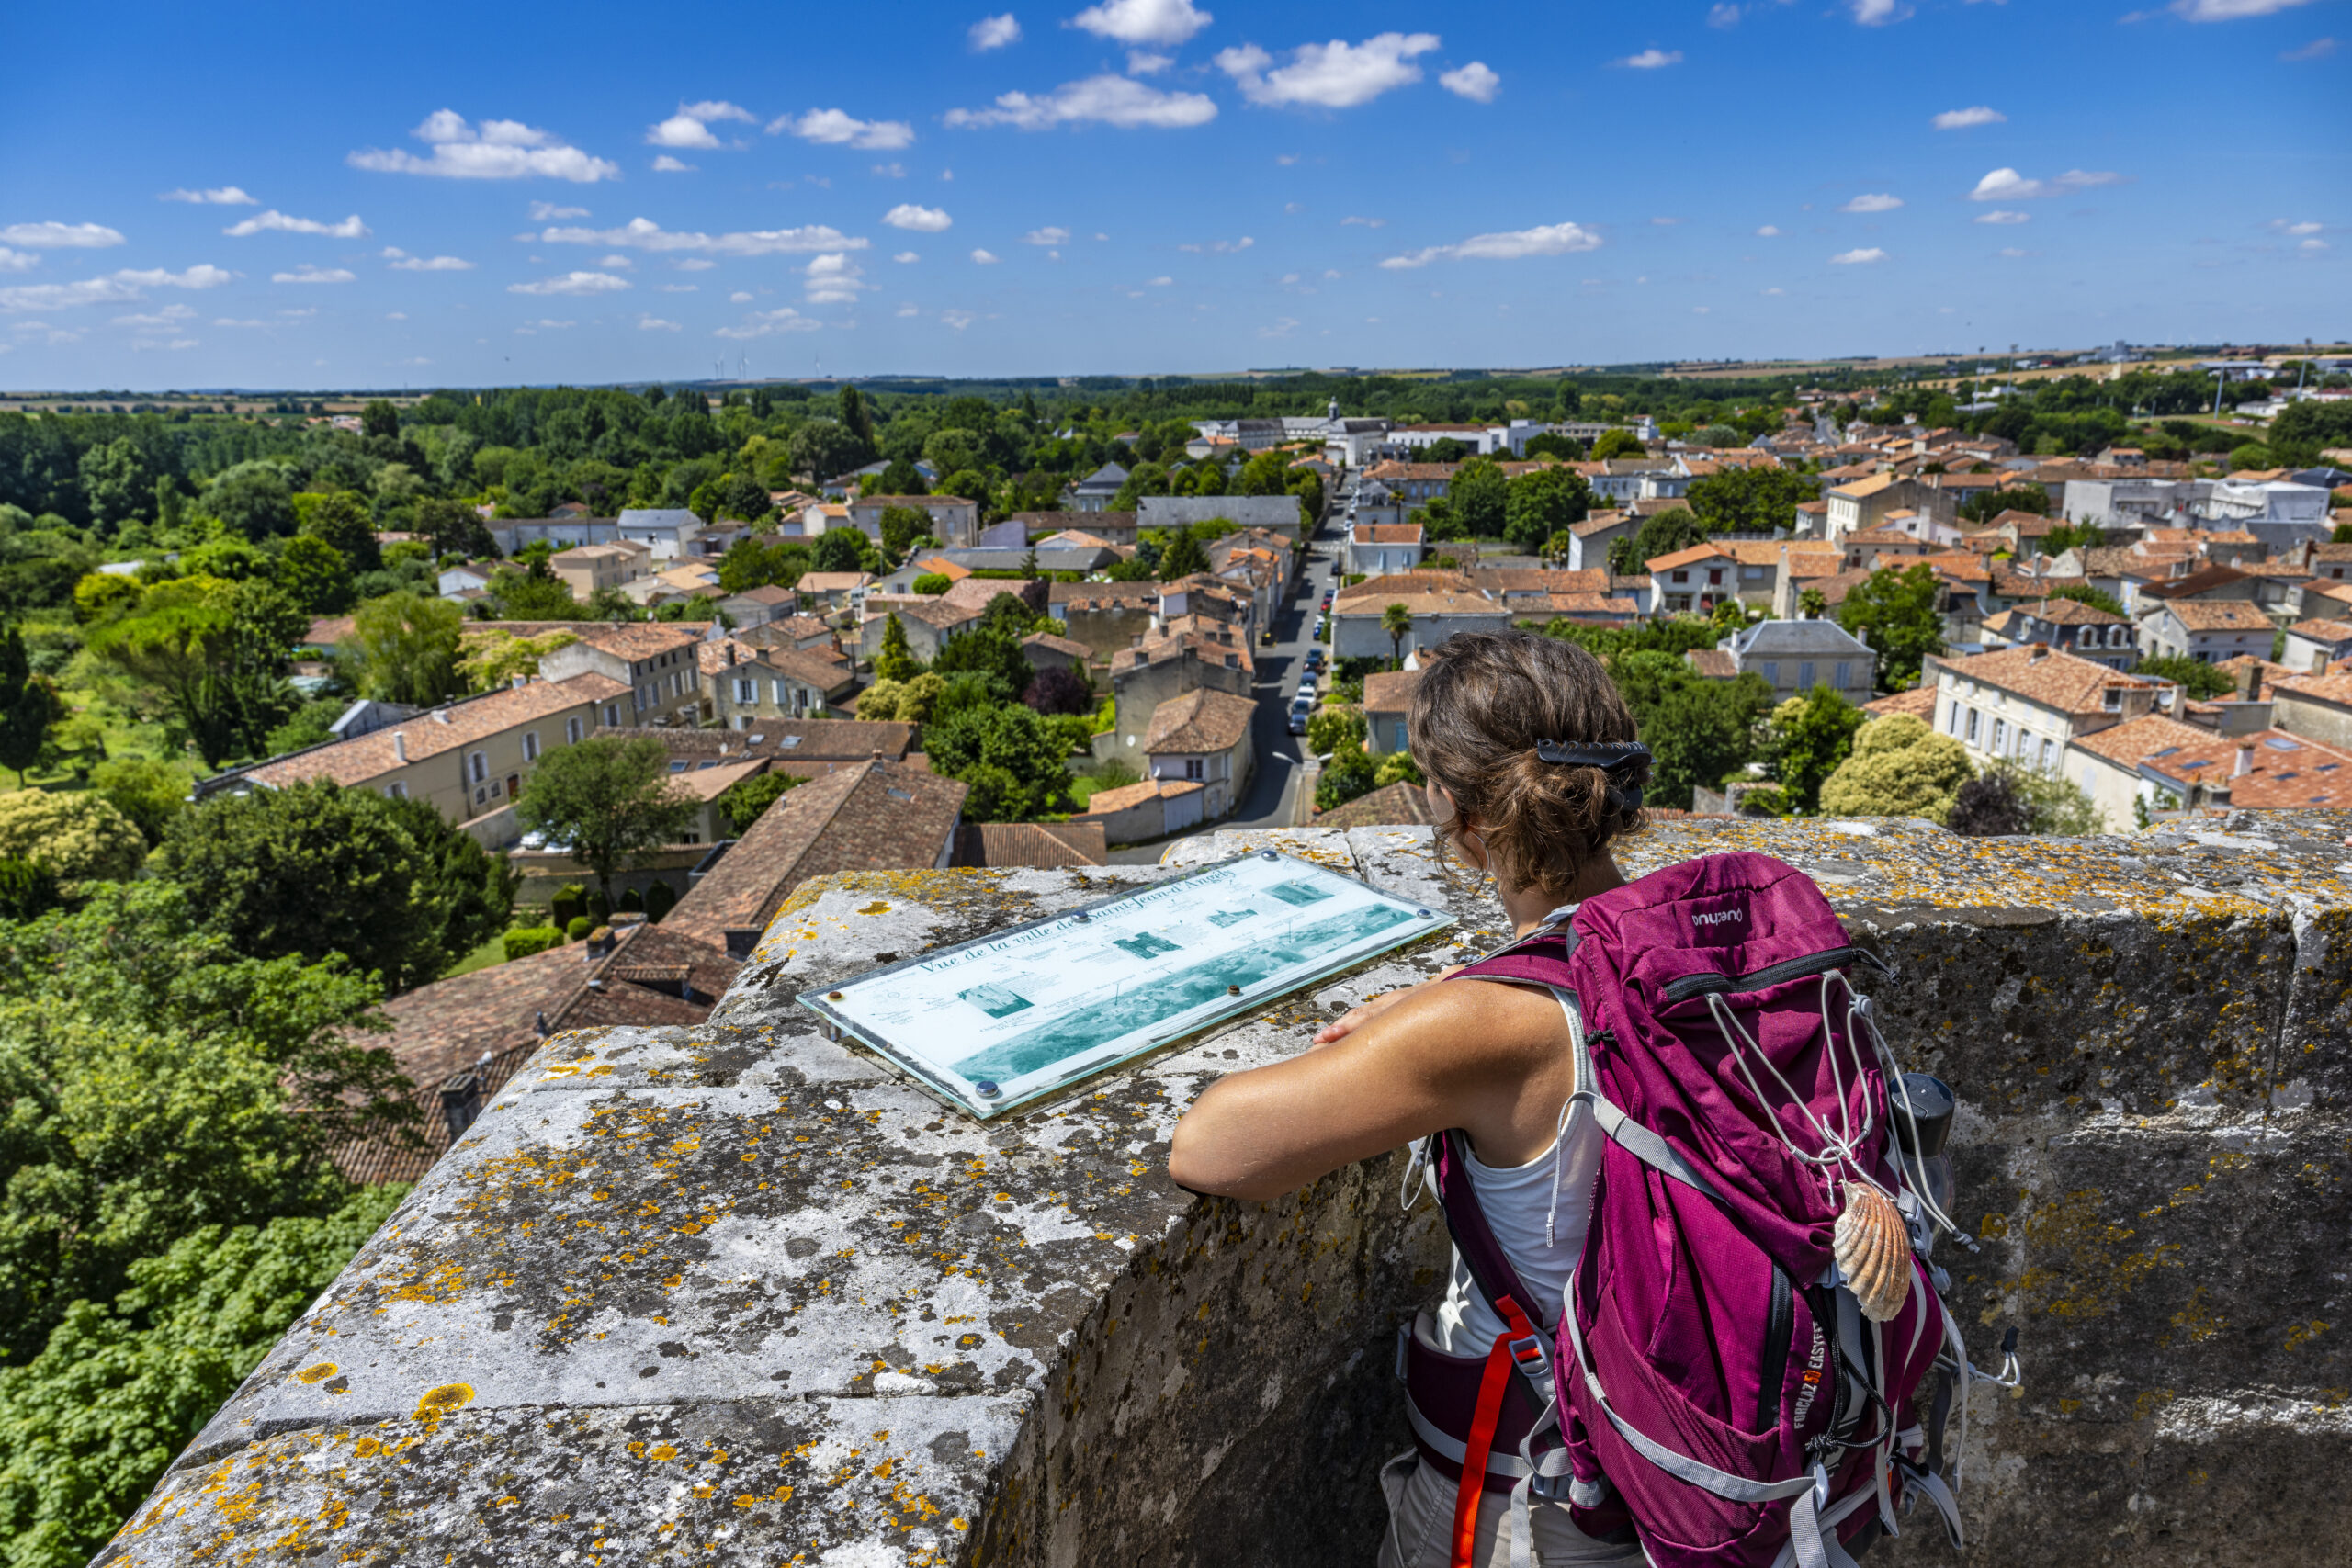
(271,194)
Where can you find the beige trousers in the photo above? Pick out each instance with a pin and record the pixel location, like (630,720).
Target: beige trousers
(1421,1526)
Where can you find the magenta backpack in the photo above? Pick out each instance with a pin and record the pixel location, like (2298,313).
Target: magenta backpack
(1739,1379)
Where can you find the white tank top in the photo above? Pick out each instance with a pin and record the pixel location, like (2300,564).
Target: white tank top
(1518,1201)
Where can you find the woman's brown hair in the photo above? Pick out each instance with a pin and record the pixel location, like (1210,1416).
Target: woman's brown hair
(1484,701)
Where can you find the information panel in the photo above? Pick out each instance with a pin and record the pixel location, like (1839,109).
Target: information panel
(994,1024)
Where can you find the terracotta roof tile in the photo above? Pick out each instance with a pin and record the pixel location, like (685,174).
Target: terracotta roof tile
(1201,720)
(2051,677)
(372,755)
(1045,845)
(1390,690)
(2219,616)
(1400,803)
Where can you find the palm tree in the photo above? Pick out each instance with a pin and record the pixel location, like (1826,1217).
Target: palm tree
(1812,604)
(1396,621)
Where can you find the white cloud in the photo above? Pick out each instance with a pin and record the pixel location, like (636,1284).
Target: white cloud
(891,171)
(2008,184)
(666,164)
(690,127)
(838,127)
(553,326)
(694,264)
(306,273)
(2229,10)
(993,32)
(1652,58)
(741,296)
(1334,75)
(1722,15)
(1476,81)
(1771,292)
(1878,13)
(220,196)
(655,325)
(2318,49)
(402,262)
(1110,100)
(2283,227)
(1354,222)
(397,316)
(1148,62)
(1875,202)
(2312,246)
(2013,252)
(1166,22)
(644,234)
(1221,247)
(767,323)
(1961,119)
(984,258)
(1283,327)
(1858,257)
(1665,222)
(675,287)
(1768,232)
(577,284)
(55,236)
(905,257)
(159,342)
(1549,240)
(1161,282)
(616,262)
(494,150)
(909,309)
(922,220)
(17,261)
(958,320)
(169,316)
(229,321)
(349,229)
(548,212)
(1048,235)
(2005,215)
(835,281)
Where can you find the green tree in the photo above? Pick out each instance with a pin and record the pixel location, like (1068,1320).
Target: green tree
(1397,767)
(1898,767)
(380,420)
(116,482)
(1182,557)
(1543,504)
(1397,620)
(746,799)
(315,869)
(153,795)
(122,1387)
(81,838)
(532,592)
(1895,611)
(1806,740)
(315,576)
(28,706)
(855,417)
(1333,727)
(1014,759)
(158,1080)
(933,583)
(1675,528)
(901,478)
(403,649)
(1348,774)
(1757,499)
(2084,593)
(838,549)
(1812,604)
(2200,681)
(2054,804)
(252,499)
(451,529)
(823,448)
(1985,505)
(610,802)
(1551,443)
(902,525)
(1617,444)
(1480,498)
(895,661)
(341,519)
(1699,732)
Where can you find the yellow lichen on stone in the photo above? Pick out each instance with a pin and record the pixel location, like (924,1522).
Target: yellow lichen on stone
(319,1373)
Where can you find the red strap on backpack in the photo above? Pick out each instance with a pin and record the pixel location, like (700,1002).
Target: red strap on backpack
(1501,1363)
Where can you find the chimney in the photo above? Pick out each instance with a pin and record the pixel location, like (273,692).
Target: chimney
(519,682)
(399,745)
(2041,651)
(730,653)
(2245,760)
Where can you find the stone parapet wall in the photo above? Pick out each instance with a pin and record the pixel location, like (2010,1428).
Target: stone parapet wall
(736,1295)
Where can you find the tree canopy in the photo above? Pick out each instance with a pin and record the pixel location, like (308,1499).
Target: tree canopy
(1898,767)
(609,801)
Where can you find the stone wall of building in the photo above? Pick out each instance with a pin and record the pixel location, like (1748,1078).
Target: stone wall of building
(736,1295)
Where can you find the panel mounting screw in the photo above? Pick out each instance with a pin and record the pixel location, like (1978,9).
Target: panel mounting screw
(1422,913)
(1232,990)
(832,996)
(1267,854)
(986,1089)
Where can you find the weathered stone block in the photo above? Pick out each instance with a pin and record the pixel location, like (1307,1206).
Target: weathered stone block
(738,1294)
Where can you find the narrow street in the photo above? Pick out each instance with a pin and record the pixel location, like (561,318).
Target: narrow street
(1274,787)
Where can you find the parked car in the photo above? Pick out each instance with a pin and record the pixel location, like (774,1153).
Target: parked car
(1300,707)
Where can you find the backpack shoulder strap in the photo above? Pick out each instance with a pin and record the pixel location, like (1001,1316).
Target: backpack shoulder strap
(1473,1239)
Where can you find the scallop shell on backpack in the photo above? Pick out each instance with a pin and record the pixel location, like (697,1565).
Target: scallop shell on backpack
(1873,1251)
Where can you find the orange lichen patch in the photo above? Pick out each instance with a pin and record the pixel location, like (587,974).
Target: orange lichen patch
(319,1373)
(878,908)
(446,1399)
(661,1452)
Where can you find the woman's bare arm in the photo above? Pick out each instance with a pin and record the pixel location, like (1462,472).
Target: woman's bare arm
(1484,1057)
